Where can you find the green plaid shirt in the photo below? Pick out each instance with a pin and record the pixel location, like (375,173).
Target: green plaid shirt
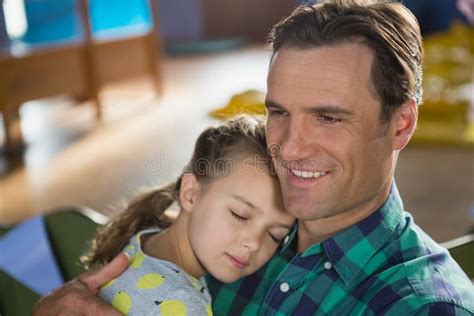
(383,265)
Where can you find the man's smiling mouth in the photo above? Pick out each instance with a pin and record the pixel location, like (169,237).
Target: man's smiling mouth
(307,174)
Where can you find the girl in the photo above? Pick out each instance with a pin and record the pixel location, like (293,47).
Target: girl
(230,223)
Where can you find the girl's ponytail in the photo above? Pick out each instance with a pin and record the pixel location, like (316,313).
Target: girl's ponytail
(145,211)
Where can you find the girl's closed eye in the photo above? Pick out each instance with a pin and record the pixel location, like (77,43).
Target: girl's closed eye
(278,235)
(237,216)
(274,238)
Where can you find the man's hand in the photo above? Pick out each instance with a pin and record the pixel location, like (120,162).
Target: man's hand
(78,297)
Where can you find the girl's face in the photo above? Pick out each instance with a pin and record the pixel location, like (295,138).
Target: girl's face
(237,222)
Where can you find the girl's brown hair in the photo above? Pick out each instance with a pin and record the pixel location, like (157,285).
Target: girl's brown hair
(215,149)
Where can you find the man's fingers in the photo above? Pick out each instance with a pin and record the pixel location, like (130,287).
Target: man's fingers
(93,280)
(77,297)
(73,298)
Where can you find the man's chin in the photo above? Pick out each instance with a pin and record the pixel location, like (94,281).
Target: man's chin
(301,212)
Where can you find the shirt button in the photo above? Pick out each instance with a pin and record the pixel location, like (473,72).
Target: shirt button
(286,239)
(284,287)
(327,265)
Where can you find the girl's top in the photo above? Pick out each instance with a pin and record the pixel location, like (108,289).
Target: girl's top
(151,286)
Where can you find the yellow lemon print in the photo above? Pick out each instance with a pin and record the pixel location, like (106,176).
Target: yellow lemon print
(122,302)
(150,280)
(195,283)
(137,260)
(173,308)
(106,285)
(208,310)
(130,248)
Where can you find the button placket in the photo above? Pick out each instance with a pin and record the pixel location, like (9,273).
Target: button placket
(328,265)
(284,287)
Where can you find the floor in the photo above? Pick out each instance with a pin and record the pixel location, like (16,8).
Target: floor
(143,141)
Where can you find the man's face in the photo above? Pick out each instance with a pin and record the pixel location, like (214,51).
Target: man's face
(330,149)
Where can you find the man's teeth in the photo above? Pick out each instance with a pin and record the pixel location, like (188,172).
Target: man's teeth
(308,174)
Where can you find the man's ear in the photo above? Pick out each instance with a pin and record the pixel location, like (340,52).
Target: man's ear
(188,191)
(404,123)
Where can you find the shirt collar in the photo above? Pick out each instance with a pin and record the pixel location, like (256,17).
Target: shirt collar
(290,238)
(350,249)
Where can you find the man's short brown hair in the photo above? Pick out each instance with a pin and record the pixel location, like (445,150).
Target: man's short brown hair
(388,28)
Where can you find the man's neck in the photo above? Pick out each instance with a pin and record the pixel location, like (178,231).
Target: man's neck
(311,232)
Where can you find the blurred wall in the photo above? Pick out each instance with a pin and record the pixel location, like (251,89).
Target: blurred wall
(433,15)
(251,19)
(4,40)
(180,20)
(58,20)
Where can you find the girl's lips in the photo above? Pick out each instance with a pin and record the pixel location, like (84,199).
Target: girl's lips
(236,262)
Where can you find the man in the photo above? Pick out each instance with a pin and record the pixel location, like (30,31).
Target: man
(343,90)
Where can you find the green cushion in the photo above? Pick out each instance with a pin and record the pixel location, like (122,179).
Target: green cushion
(15,299)
(462,250)
(69,231)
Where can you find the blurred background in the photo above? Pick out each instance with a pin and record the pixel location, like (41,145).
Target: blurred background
(103,98)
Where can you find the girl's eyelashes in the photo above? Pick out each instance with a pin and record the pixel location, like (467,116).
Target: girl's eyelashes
(276,240)
(237,216)
(241,218)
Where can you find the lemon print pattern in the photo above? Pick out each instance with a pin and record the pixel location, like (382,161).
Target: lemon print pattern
(137,260)
(195,283)
(152,286)
(150,281)
(122,302)
(130,248)
(108,284)
(208,310)
(173,308)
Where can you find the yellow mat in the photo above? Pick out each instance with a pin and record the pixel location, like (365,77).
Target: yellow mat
(248,102)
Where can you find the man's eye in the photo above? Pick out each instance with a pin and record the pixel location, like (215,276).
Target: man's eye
(276,113)
(237,216)
(329,119)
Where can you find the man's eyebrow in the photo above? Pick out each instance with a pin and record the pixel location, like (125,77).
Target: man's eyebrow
(273,104)
(245,201)
(320,109)
(328,109)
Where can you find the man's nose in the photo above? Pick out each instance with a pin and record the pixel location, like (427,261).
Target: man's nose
(295,142)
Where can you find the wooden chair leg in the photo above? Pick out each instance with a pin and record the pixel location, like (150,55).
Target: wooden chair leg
(154,63)
(155,66)
(89,59)
(13,136)
(6,129)
(154,49)
(96,102)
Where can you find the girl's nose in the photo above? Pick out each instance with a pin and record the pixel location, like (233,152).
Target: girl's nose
(252,242)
